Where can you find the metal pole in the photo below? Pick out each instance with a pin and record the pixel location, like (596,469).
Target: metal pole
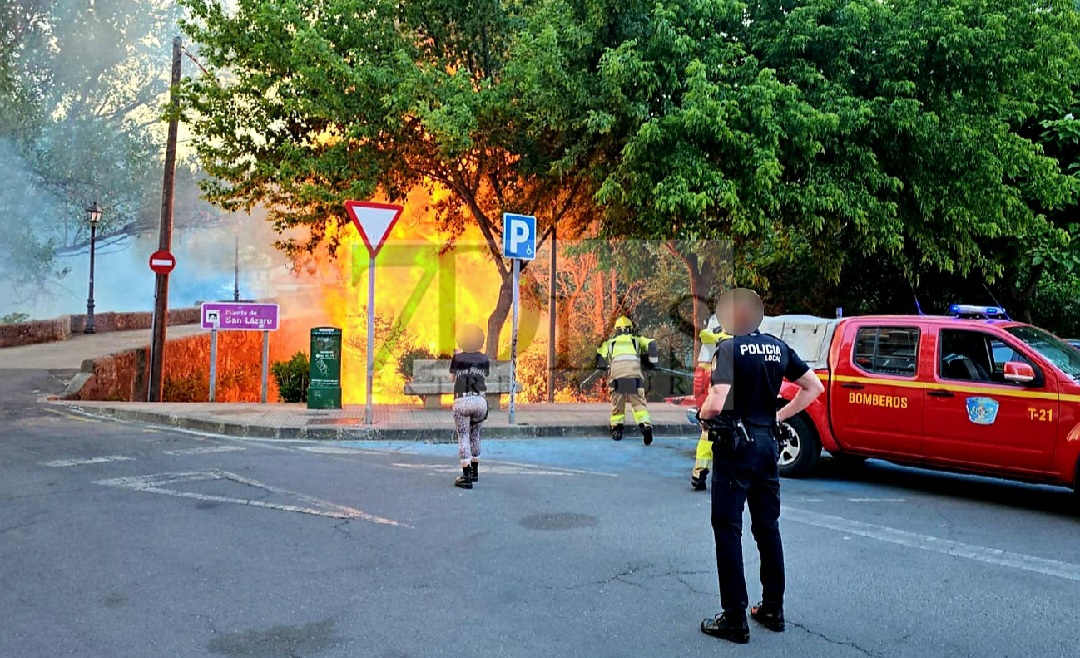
(551,319)
(89,329)
(265,365)
(236,270)
(513,344)
(161,293)
(370,336)
(213,365)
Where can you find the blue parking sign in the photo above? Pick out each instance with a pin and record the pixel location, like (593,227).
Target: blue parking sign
(519,236)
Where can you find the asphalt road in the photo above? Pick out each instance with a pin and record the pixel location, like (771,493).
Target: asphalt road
(123,540)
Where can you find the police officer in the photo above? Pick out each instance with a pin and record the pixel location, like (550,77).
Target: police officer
(741,415)
(623,356)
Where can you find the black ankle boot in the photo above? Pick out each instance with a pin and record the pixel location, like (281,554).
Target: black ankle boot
(465,481)
(616,432)
(474,469)
(646,434)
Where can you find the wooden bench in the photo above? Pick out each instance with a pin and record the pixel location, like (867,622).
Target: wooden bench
(431,380)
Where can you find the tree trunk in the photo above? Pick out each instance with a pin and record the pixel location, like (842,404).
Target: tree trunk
(598,309)
(1025,295)
(497,319)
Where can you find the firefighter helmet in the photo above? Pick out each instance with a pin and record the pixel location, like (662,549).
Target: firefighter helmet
(623,325)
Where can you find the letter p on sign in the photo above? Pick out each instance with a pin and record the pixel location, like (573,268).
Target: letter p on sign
(519,236)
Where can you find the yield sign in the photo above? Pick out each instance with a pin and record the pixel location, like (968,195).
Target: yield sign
(374,221)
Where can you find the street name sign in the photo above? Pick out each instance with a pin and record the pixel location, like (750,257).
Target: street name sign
(239,316)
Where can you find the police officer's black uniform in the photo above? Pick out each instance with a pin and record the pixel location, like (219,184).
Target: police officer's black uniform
(745,471)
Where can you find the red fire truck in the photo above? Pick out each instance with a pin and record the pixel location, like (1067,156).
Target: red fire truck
(972,391)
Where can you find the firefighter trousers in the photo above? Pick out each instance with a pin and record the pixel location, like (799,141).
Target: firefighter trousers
(630,391)
(703,458)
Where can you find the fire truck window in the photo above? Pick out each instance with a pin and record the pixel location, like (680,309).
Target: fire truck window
(887,350)
(965,356)
(1002,354)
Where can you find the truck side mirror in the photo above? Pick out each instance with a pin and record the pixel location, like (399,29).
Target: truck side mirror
(1018,372)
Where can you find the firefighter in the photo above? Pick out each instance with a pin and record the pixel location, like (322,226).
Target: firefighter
(623,356)
(710,337)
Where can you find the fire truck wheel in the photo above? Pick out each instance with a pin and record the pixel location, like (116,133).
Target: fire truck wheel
(799,457)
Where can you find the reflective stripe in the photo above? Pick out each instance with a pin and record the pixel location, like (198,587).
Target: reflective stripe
(957,388)
(624,357)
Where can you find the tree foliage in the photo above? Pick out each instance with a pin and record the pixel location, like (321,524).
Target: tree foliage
(308,104)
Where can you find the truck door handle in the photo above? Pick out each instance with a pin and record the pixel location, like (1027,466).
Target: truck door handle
(940,394)
(854,385)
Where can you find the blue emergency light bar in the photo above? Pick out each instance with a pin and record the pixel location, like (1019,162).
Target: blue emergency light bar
(974,312)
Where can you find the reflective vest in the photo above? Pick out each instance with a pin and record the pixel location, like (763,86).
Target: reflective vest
(627,348)
(710,337)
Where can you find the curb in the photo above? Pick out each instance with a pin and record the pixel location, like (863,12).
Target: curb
(241,430)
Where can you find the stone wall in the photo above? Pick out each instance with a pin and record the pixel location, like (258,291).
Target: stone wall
(49,331)
(186,378)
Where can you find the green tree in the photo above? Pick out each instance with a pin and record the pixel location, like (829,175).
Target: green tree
(307,104)
(835,130)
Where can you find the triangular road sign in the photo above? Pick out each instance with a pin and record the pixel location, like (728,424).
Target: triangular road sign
(374,221)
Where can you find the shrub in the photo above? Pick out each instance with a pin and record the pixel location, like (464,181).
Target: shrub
(14,318)
(194,387)
(292,377)
(409,357)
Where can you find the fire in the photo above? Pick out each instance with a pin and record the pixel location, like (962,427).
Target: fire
(421,296)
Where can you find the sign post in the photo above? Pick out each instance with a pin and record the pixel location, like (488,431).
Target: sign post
(374,221)
(519,243)
(239,316)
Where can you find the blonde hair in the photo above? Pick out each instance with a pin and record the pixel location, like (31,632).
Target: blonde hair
(470,338)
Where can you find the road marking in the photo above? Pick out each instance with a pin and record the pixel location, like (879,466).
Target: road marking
(313,506)
(204,450)
(331,450)
(65,463)
(877,500)
(437,469)
(81,419)
(889,535)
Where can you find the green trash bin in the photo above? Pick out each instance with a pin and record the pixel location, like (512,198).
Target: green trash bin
(324,392)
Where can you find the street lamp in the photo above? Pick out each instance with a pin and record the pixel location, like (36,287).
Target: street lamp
(93,215)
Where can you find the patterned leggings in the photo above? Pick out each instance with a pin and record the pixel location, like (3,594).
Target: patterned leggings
(469,413)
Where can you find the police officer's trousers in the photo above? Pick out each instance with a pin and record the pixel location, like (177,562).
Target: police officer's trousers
(750,476)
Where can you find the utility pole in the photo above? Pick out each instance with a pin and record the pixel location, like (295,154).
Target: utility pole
(161,294)
(551,318)
(236,270)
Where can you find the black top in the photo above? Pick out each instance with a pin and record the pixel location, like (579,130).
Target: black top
(469,370)
(755,365)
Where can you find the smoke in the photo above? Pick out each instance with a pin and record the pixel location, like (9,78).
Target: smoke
(81,124)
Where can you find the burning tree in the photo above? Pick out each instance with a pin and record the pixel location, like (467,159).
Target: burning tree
(304,105)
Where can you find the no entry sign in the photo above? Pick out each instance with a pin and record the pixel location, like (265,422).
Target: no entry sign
(162,262)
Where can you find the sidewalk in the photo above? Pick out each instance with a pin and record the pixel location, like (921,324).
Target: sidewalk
(70,354)
(391,423)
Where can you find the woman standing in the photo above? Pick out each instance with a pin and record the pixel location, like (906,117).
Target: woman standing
(469,368)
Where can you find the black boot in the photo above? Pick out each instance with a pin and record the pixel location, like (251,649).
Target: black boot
(465,481)
(700,481)
(646,433)
(769,616)
(727,627)
(474,471)
(616,432)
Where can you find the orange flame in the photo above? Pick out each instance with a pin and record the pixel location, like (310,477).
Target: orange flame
(421,295)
